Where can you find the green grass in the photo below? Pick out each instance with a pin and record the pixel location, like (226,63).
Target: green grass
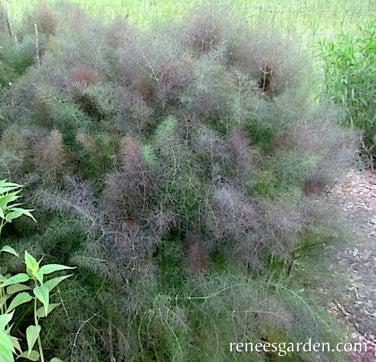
(307,18)
(350,74)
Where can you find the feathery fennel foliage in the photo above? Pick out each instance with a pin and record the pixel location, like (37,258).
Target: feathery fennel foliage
(186,177)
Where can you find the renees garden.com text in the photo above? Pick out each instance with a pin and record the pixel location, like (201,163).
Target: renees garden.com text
(282,349)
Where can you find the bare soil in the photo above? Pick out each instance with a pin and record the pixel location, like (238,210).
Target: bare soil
(356,263)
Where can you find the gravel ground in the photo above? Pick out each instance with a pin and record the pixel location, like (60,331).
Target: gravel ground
(357,263)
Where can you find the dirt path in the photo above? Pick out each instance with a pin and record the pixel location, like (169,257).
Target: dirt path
(357,263)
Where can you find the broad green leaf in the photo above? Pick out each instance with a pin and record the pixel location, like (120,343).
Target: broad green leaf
(5,183)
(14,214)
(16,344)
(33,356)
(15,279)
(41,313)
(43,295)
(15,288)
(32,334)
(8,186)
(8,249)
(6,189)
(6,342)
(52,283)
(6,347)
(7,198)
(18,300)
(27,212)
(5,354)
(39,276)
(5,319)
(32,266)
(17,212)
(55,359)
(11,206)
(50,268)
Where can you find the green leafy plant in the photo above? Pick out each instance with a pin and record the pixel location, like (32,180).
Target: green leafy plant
(25,287)
(9,210)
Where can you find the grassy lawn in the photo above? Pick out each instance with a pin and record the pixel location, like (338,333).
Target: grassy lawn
(308,18)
